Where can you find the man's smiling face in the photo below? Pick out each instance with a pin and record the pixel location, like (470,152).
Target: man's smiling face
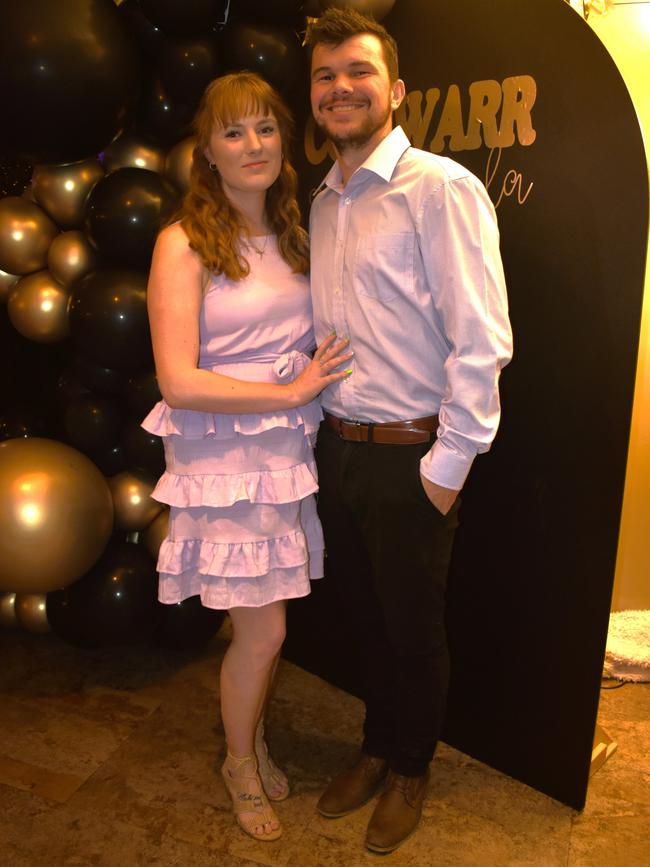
(352,97)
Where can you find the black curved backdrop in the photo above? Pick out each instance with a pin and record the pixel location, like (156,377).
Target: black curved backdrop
(533,566)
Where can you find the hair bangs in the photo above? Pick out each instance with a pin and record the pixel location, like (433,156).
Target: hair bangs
(243,97)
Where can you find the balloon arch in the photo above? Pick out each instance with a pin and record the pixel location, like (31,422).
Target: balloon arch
(96,157)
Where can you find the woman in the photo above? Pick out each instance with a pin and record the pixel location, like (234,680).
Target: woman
(231,323)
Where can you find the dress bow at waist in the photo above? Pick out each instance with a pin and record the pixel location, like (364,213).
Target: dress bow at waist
(290,364)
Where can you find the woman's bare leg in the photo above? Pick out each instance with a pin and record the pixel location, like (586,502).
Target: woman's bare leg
(246,673)
(276,784)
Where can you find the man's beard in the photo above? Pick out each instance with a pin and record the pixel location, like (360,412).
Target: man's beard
(360,137)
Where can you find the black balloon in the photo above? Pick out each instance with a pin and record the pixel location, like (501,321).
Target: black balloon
(69,78)
(143,450)
(108,319)
(150,38)
(270,9)
(142,393)
(186,625)
(273,52)
(187,66)
(162,118)
(68,386)
(184,17)
(114,603)
(92,422)
(124,213)
(110,461)
(97,377)
(378,9)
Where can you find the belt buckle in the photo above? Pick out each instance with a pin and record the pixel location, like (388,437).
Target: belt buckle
(369,427)
(358,436)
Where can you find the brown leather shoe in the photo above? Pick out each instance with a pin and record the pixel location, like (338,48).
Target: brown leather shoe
(352,788)
(397,813)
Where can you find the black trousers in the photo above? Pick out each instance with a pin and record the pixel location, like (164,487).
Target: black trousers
(388,552)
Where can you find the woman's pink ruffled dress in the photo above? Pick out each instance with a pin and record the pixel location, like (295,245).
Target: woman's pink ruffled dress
(243,528)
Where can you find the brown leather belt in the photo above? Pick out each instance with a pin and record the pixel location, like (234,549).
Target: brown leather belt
(415,430)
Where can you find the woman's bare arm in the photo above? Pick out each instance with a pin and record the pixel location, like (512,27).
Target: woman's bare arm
(174,299)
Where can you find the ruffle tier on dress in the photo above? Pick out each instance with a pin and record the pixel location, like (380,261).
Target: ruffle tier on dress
(190,424)
(243,528)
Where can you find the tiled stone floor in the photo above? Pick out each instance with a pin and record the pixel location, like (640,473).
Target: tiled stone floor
(107,759)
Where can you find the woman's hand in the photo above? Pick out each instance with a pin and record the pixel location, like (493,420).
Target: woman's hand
(318,374)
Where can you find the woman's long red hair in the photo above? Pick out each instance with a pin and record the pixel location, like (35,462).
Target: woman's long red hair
(212,224)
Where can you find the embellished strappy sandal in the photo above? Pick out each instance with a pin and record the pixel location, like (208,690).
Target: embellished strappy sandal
(274,780)
(252,809)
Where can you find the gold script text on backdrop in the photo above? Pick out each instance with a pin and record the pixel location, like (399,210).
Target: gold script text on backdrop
(499,115)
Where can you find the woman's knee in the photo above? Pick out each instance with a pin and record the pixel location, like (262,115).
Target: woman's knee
(274,639)
(264,649)
(263,643)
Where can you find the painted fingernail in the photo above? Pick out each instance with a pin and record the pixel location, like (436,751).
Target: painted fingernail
(348,372)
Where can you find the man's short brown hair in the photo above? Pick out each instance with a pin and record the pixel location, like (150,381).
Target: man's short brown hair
(337,25)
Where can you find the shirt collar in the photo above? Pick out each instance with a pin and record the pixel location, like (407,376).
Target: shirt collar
(386,155)
(381,162)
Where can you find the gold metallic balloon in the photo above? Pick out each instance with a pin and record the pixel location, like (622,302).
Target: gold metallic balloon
(31,612)
(179,163)
(8,610)
(127,151)
(62,190)
(70,257)
(26,232)
(56,515)
(134,508)
(38,308)
(156,532)
(7,282)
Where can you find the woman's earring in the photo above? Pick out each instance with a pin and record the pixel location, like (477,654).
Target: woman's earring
(213,167)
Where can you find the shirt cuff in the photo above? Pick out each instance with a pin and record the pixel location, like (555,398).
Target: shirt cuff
(444,467)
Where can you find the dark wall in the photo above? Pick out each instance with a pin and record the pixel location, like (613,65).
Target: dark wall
(530,585)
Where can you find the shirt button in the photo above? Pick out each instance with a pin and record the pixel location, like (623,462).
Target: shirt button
(348,200)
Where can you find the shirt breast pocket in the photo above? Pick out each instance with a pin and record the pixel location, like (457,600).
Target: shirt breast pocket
(383,265)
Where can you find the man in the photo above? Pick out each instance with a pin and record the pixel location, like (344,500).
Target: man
(405,262)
